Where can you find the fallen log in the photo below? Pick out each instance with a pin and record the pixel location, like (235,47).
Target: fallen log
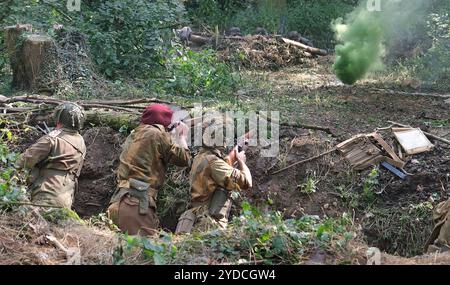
(115,120)
(315,51)
(104,106)
(199,40)
(426,133)
(121,105)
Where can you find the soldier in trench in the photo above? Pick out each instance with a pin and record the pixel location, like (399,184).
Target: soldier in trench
(56,159)
(212,178)
(146,155)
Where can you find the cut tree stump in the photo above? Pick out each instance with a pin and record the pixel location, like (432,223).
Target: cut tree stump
(13,40)
(33,59)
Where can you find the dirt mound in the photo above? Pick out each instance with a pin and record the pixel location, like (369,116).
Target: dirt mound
(97,180)
(286,191)
(260,52)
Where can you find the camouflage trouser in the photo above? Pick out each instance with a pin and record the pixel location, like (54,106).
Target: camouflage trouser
(198,219)
(205,222)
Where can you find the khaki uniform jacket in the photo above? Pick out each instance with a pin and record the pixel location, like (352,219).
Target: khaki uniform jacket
(210,171)
(56,160)
(146,154)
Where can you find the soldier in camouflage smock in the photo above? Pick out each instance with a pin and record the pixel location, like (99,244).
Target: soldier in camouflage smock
(146,155)
(212,178)
(56,159)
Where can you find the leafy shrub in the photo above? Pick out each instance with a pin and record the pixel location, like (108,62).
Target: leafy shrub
(309,187)
(266,238)
(11,181)
(195,74)
(313,19)
(368,195)
(433,67)
(125,36)
(215,12)
(310,18)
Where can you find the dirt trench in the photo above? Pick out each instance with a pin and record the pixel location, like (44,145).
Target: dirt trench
(97,180)
(283,192)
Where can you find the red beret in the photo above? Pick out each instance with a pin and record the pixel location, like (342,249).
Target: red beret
(157,114)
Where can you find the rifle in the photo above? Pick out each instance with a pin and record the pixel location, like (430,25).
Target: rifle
(242,144)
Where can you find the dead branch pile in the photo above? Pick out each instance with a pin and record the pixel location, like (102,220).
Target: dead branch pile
(264,52)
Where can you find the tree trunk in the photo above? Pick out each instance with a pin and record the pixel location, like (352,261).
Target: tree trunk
(33,60)
(13,42)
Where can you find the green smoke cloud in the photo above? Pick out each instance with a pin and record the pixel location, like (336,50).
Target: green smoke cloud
(364,34)
(361,50)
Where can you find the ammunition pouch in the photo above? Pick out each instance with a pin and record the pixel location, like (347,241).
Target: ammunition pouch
(220,204)
(139,190)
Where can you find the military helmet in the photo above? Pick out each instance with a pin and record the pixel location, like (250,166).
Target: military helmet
(70,115)
(214,131)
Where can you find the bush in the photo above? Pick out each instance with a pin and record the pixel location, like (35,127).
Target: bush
(125,36)
(198,74)
(11,181)
(311,18)
(250,237)
(433,67)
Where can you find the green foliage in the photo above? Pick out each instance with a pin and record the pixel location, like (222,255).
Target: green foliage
(158,251)
(198,74)
(352,196)
(132,35)
(368,195)
(309,187)
(59,215)
(403,230)
(311,18)
(267,238)
(125,37)
(102,221)
(11,181)
(267,14)
(214,12)
(433,67)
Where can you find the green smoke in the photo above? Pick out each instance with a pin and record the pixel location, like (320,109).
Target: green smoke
(363,35)
(361,49)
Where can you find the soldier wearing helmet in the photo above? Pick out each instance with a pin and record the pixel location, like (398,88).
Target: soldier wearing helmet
(56,159)
(147,153)
(212,178)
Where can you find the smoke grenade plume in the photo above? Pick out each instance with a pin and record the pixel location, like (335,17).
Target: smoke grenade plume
(366,31)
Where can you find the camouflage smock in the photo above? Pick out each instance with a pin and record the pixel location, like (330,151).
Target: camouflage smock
(146,154)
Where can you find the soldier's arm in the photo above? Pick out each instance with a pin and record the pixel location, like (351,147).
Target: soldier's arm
(35,153)
(228,177)
(176,155)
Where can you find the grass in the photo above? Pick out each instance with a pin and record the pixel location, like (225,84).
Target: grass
(401,231)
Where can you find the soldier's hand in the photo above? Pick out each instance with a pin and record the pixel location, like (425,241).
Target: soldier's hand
(181,130)
(241,157)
